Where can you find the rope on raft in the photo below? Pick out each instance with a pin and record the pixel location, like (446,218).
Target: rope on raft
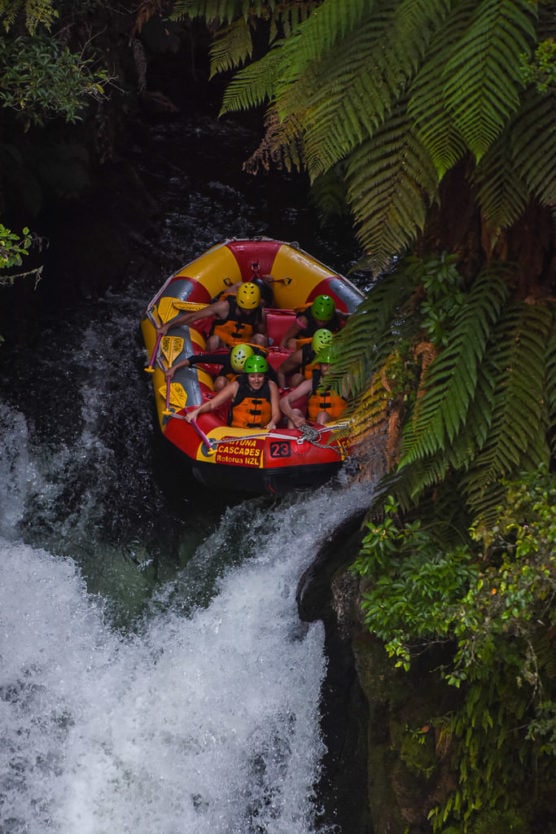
(309,434)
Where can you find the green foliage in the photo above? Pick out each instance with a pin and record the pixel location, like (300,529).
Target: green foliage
(491,598)
(443,286)
(36,13)
(400,92)
(40,78)
(414,584)
(482,78)
(532,150)
(541,69)
(483,406)
(451,380)
(13,247)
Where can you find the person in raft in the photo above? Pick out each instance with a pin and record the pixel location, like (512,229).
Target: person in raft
(323,404)
(321,313)
(232,363)
(237,318)
(300,363)
(255,399)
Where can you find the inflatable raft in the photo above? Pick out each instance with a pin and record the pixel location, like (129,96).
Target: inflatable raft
(220,456)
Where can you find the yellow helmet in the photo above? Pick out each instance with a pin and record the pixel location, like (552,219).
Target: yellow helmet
(321,339)
(248,296)
(238,356)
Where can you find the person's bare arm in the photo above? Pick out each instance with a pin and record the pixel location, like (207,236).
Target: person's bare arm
(211,405)
(183,363)
(286,402)
(275,403)
(290,364)
(291,332)
(218,308)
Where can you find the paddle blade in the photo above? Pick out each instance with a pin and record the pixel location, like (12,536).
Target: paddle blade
(171,346)
(177,395)
(168,307)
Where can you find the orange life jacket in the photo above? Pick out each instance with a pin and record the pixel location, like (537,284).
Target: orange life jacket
(324,399)
(238,326)
(251,409)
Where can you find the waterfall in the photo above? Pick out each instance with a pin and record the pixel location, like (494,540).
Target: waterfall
(204,718)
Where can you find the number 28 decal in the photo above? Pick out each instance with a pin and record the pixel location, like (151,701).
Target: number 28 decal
(280,449)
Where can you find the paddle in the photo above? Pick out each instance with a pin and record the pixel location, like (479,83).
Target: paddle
(174,394)
(150,367)
(211,445)
(171,347)
(167,307)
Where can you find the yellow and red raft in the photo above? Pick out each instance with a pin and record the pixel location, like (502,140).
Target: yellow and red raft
(221,456)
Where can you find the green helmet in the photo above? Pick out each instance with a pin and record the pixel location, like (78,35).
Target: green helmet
(326,356)
(255,365)
(323,307)
(321,339)
(238,356)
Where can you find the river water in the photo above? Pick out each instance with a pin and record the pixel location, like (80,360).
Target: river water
(155,677)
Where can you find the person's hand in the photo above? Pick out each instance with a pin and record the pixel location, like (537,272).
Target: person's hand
(270,426)
(298,421)
(191,416)
(169,372)
(163,329)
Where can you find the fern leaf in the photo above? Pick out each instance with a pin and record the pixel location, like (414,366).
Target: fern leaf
(319,33)
(373,65)
(451,381)
(427,105)
(213,11)
(517,360)
(482,80)
(502,195)
(533,148)
(371,332)
(231,46)
(550,385)
(280,146)
(390,183)
(251,86)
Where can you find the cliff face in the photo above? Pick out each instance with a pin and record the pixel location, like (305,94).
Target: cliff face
(386,766)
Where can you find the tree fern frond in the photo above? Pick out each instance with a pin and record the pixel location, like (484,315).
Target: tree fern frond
(288,16)
(451,381)
(533,149)
(482,79)
(328,194)
(391,181)
(369,337)
(517,359)
(427,105)
(408,481)
(434,125)
(320,32)
(213,11)
(502,195)
(550,385)
(373,65)
(251,86)
(281,145)
(333,89)
(231,47)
